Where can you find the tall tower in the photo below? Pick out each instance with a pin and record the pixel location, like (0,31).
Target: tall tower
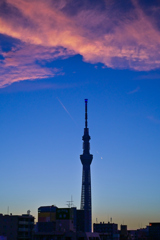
(86,159)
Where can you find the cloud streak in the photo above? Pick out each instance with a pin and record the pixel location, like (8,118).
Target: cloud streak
(134,91)
(119,35)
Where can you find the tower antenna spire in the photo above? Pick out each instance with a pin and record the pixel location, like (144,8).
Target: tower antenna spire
(86,116)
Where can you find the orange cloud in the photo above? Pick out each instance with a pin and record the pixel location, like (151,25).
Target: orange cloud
(117,39)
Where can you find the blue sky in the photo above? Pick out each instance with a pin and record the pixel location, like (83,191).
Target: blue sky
(107,52)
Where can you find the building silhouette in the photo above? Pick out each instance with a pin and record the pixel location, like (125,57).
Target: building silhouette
(154,231)
(16,227)
(107,231)
(61,224)
(86,159)
(54,219)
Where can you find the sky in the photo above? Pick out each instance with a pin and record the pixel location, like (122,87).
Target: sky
(53,55)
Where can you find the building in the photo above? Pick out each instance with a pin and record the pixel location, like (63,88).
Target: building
(142,234)
(15,227)
(86,159)
(123,232)
(154,231)
(66,219)
(61,224)
(107,231)
(46,219)
(67,236)
(53,219)
(80,221)
(3,238)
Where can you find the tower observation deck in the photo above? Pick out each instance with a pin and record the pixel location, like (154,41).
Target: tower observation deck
(86,159)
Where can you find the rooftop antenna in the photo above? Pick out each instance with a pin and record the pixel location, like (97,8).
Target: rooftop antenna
(8,210)
(70,203)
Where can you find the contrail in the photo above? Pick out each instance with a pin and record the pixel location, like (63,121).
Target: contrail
(66,110)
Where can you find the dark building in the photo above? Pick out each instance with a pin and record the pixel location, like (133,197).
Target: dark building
(61,224)
(46,219)
(154,231)
(142,234)
(53,219)
(66,219)
(123,232)
(80,221)
(16,227)
(107,231)
(69,235)
(86,159)
(3,238)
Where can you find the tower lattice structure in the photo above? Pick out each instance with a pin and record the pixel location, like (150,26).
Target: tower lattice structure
(86,159)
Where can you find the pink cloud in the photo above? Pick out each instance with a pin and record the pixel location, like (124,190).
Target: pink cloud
(128,40)
(21,63)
